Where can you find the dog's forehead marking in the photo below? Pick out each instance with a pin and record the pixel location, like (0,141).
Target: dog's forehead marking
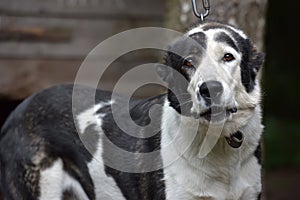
(219,27)
(217,36)
(227,39)
(200,38)
(241,33)
(219,33)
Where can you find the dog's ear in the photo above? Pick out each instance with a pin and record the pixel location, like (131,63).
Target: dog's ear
(161,70)
(256,60)
(165,72)
(252,62)
(164,69)
(255,63)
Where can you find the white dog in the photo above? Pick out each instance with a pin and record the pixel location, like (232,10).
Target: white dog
(206,133)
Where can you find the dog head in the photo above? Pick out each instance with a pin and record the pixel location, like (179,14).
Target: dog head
(211,73)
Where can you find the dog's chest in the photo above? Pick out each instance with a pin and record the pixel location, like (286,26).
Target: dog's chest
(201,184)
(219,176)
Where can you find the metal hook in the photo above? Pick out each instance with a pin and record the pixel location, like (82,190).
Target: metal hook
(206,6)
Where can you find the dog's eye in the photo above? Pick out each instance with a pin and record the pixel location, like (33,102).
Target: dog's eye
(228,57)
(188,62)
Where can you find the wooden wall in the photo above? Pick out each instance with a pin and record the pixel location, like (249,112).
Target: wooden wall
(43,43)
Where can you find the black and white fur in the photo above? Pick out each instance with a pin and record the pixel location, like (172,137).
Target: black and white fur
(42,155)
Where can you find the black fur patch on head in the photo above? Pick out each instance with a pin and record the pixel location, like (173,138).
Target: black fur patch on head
(223,37)
(176,75)
(200,38)
(251,59)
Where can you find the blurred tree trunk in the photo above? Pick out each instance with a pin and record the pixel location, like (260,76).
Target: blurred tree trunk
(249,15)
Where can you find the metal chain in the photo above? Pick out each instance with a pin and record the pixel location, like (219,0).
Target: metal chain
(206,6)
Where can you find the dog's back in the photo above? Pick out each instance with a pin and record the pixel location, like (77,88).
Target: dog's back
(42,154)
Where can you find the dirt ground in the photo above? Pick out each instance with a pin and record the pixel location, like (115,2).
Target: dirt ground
(282,184)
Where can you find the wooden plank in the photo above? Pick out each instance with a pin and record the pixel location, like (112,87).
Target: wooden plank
(36,34)
(86,34)
(22,77)
(84,8)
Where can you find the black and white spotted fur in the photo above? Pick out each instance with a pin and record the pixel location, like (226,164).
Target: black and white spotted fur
(42,155)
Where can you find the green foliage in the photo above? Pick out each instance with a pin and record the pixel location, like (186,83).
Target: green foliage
(281,143)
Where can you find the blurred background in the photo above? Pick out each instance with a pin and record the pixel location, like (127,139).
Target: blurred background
(43,43)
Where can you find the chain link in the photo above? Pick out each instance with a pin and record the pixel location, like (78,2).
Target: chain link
(206,6)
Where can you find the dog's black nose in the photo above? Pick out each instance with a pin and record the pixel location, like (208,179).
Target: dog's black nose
(211,90)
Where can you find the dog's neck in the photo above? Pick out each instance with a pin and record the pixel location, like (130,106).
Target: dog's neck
(187,171)
(187,135)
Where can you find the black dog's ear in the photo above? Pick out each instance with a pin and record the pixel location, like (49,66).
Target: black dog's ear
(252,62)
(161,70)
(164,69)
(257,60)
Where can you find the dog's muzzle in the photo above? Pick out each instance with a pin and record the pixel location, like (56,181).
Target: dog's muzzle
(211,92)
(215,113)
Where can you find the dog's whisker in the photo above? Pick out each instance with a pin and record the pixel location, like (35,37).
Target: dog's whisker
(182,94)
(186,102)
